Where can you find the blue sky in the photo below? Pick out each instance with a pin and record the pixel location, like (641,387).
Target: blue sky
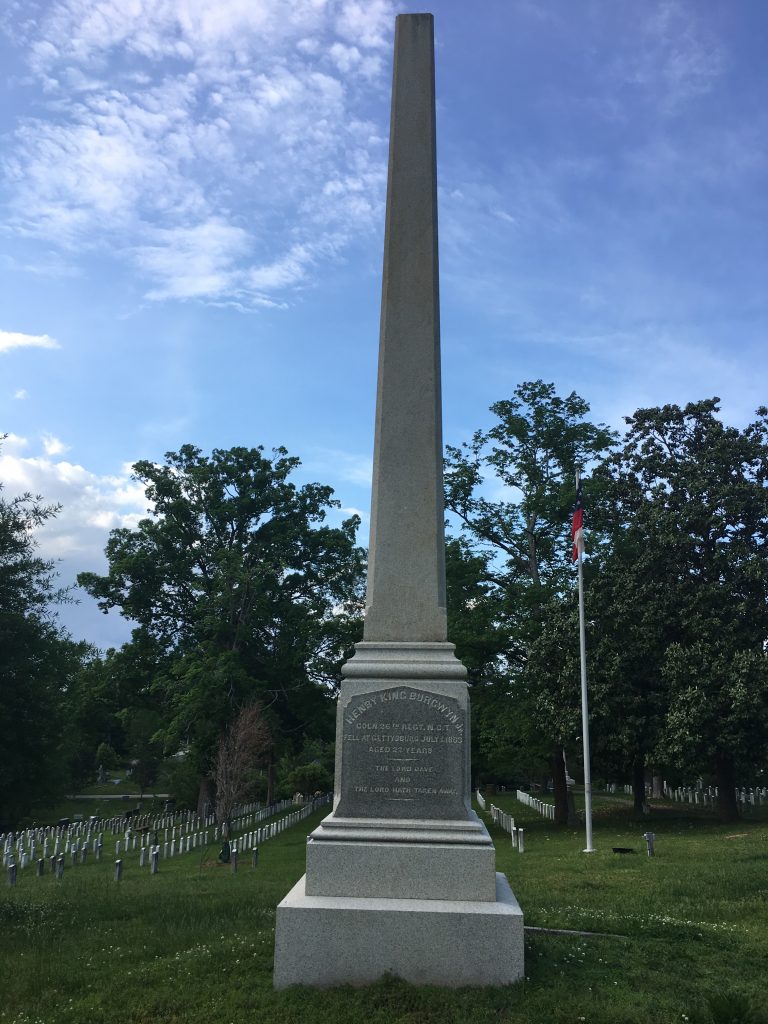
(191,221)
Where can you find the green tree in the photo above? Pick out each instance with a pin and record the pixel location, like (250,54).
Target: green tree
(37,662)
(689,495)
(92,702)
(241,594)
(529,455)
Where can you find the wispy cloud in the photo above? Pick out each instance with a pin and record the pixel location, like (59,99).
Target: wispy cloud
(21,394)
(15,339)
(196,261)
(678,59)
(161,120)
(349,466)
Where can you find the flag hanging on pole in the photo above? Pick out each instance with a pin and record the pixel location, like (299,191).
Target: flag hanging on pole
(577,526)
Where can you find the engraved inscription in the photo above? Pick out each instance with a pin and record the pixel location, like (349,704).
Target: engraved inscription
(402,755)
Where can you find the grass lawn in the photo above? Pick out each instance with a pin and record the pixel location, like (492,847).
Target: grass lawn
(194,943)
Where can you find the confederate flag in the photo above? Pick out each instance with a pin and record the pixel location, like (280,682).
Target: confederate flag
(577,526)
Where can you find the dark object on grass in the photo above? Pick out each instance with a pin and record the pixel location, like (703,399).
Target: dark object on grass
(225,853)
(623,849)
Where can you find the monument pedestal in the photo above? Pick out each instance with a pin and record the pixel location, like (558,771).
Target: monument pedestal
(415,896)
(349,940)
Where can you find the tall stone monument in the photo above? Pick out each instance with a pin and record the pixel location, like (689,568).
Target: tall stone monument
(401,875)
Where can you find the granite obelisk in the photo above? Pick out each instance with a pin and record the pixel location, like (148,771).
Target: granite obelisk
(401,875)
(406,570)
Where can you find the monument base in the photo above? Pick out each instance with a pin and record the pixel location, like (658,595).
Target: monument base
(323,941)
(402,859)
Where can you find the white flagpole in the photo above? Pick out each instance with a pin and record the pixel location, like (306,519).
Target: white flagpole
(584,705)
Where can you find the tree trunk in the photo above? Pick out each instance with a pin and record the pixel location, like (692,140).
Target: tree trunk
(638,786)
(206,797)
(727,804)
(559,785)
(271,779)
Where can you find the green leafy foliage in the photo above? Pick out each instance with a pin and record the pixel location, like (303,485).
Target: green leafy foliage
(516,556)
(38,662)
(240,593)
(687,495)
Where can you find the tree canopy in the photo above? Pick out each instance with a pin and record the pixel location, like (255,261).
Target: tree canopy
(38,661)
(241,593)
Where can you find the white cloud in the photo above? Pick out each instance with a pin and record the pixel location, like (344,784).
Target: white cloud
(11,443)
(53,446)
(350,510)
(193,262)
(21,394)
(14,339)
(366,23)
(91,504)
(159,120)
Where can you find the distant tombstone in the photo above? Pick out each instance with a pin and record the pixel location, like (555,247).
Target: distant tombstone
(12,874)
(118,871)
(40,868)
(154,859)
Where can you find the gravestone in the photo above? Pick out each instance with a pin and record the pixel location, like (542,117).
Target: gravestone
(401,875)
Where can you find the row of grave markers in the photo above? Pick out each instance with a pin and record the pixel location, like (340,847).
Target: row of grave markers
(507,823)
(704,796)
(544,808)
(78,838)
(707,796)
(150,852)
(59,838)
